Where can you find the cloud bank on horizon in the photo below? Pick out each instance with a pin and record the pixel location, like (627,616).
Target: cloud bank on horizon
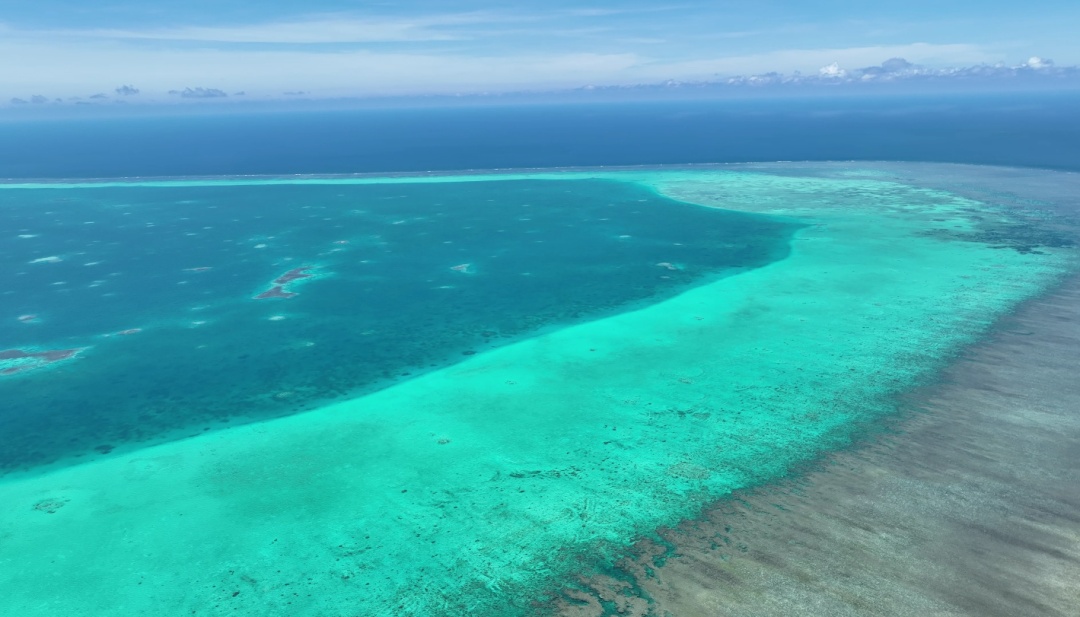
(63,52)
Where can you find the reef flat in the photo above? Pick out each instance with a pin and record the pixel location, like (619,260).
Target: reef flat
(967,506)
(486,486)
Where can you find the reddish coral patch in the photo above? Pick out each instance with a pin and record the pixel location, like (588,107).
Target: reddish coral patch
(279,286)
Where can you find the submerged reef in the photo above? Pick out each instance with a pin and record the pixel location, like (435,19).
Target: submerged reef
(14,361)
(507,482)
(280,287)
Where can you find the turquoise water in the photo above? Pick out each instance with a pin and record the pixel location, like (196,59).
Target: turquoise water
(488,483)
(158,287)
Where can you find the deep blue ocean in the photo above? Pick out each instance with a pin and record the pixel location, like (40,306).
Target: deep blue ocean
(1026,130)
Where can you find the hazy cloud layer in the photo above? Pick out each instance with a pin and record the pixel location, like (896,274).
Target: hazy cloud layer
(199,93)
(308,31)
(901,70)
(407,50)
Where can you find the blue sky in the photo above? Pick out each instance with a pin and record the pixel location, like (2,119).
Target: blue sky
(330,48)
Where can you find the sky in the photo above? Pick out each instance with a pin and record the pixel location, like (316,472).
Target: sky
(65,51)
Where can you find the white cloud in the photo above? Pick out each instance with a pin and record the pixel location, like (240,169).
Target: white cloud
(832,70)
(811,60)
(309,30)
(901,70)
(343,28)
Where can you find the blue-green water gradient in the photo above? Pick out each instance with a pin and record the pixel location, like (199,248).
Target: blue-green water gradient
(178,270)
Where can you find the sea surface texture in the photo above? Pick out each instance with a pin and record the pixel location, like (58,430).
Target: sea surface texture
(457,394)
(179,308)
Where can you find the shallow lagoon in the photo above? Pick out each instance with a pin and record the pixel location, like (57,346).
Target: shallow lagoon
(487,485)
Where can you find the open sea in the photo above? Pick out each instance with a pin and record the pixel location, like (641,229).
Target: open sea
(525,360)
(1021,130)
